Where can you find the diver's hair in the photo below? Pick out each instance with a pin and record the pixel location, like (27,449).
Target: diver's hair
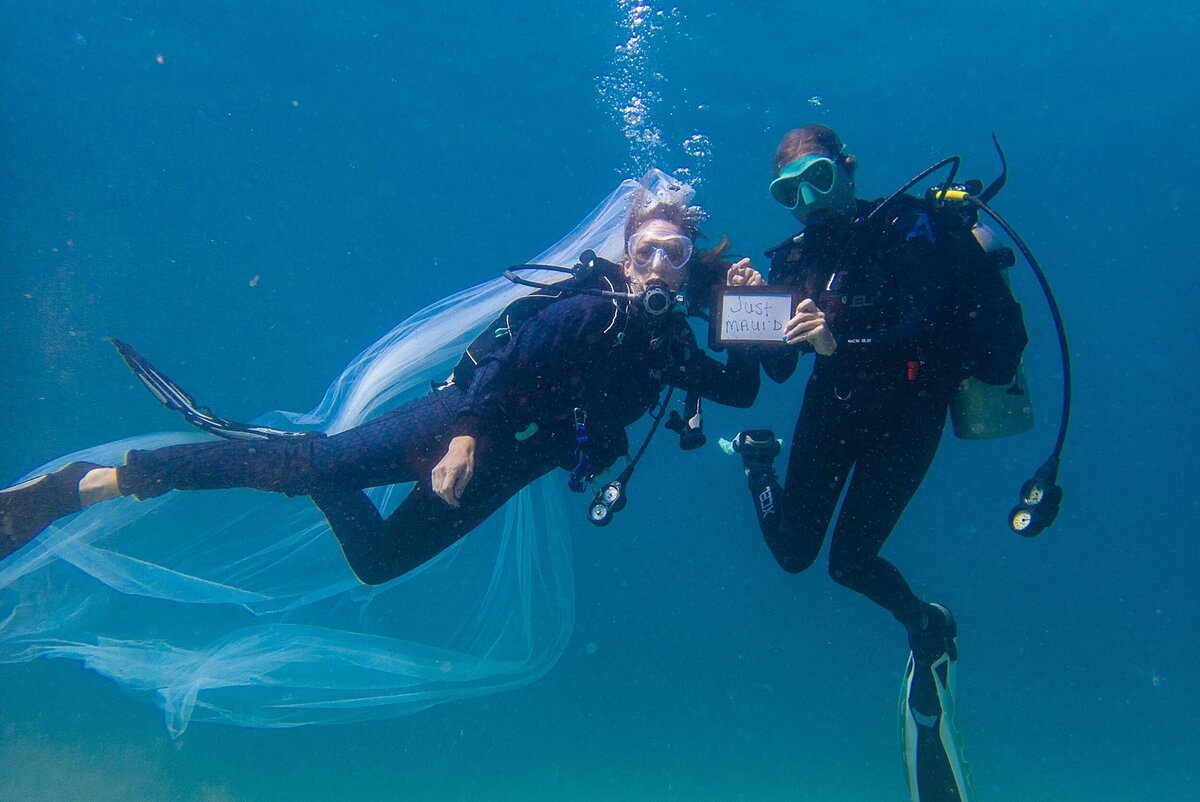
(808,138)
(647,207)
(706,273)
(711,261)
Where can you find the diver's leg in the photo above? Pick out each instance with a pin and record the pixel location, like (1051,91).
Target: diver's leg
(98,484)
(758,449)
(890,468)
(422,527)
(820,459)
(389,449)
(898,437)
(891,465)
(379,550)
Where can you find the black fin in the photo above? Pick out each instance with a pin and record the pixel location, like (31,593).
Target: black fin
(176,399)
(930,742)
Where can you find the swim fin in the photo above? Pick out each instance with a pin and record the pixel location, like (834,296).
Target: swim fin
(176,399)
(930,742)
(28,508)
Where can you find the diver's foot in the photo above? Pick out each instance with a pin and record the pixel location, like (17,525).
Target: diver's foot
(932,749)
(935,637)
(758,448)
(28,508)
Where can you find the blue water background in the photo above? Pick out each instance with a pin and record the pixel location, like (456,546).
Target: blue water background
(292,179)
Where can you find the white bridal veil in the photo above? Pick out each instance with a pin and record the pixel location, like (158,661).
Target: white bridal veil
(237,607)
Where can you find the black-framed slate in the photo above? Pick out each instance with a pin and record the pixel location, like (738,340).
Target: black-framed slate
(753,315)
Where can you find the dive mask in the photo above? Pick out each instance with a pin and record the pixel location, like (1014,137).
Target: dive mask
(807,182)
(645,247)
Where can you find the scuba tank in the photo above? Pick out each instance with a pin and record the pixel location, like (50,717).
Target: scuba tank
(1040,496)
(982,411)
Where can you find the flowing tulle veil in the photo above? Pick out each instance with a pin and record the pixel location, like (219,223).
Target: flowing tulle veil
(237,607)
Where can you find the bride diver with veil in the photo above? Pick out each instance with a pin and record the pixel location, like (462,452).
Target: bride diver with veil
(237,607)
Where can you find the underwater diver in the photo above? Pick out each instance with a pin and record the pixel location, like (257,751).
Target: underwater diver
(883,308)
(557,390)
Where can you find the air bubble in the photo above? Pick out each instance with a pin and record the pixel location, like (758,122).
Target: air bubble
(697,146)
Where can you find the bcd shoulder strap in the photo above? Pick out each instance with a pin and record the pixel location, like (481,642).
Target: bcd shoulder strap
(598,274)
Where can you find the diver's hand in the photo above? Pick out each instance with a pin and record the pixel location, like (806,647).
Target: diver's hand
(450,476)
(808,325)
(743,275)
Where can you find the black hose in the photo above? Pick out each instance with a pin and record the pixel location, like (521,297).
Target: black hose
(513,275)
(955,160)
(981,203)
(662,413)
(1065,420)
(997,185)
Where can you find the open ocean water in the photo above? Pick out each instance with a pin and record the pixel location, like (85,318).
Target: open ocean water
(257,191)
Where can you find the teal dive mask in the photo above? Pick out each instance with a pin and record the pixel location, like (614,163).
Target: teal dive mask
(807,182)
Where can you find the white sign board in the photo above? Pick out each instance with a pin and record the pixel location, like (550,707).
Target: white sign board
(753,316)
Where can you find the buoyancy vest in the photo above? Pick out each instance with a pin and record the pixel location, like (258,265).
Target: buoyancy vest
(602,275)
(981,323)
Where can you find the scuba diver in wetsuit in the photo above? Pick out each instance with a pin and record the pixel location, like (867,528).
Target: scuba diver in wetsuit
(881,311)
(556,391)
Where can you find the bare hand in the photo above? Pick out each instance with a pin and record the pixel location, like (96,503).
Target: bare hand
(450,476)
(743,275)
(808,325)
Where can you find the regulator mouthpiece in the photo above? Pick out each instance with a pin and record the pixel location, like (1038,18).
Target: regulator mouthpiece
(658,300)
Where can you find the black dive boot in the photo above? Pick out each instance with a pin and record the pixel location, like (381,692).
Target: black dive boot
(931,644)
(935,636)
(28,508)
(758,448)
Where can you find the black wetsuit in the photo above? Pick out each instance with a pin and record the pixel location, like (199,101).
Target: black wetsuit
(877,406)
(580,352)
